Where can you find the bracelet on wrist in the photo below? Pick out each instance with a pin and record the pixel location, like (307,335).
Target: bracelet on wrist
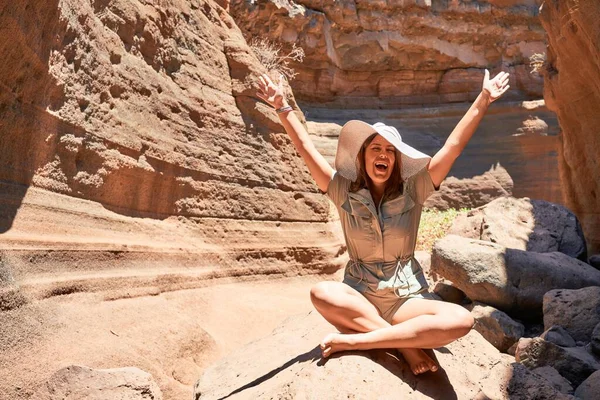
(283,109)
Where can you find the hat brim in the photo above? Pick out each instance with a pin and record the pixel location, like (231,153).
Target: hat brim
(353,135)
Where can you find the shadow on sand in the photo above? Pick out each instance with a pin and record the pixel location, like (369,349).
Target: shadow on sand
(433,384)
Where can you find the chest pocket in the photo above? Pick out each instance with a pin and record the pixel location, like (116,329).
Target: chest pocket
(396,219)
(360,220)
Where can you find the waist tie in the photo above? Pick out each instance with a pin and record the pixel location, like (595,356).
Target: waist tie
(402,263)
(358,268)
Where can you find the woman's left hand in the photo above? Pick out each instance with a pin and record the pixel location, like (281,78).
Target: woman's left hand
(495,87)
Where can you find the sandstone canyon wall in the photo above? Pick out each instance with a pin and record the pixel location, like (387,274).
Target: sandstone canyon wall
(129,128)
(422,62)
(572,91)
(390,54)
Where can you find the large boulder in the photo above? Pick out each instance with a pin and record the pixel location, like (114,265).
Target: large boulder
(495,326)
(558,381)
(511,280)
(559,336)
(595,340)
(574,363)
(577,311)
(590,388)
(288,365)
(448,292)
(77,382)
(472,192)
(524,224)
(438,285)
(594,261)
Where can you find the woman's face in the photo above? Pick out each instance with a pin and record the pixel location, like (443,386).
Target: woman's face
(380,158)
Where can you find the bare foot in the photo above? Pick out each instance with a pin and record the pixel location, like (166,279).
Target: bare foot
(335,342)
(418,361)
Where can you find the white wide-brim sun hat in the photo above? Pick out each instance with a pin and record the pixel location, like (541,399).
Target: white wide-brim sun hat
(353,135)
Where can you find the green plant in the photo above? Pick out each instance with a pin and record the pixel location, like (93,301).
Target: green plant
(435,225)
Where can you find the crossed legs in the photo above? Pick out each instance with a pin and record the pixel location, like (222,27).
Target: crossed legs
(418,324)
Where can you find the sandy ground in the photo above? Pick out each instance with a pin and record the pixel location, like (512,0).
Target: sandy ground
(172,335)
(170,297)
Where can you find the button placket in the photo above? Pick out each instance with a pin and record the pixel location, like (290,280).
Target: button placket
(376,223)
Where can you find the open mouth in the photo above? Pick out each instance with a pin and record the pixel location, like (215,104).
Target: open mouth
(381,166)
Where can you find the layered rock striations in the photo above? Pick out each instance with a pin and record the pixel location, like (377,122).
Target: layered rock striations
(416,65)
(572,91)
(400,53)
(115,110)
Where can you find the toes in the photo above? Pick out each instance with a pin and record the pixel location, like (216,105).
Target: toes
(424,366)
(419,368)
(325,342)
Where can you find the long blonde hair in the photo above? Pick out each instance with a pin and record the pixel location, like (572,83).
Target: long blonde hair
(394,185)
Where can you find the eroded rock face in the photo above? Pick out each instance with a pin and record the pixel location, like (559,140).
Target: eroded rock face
(77,382)
(390,54)
(287,364)
(572,90)
(146,110)
(532,225)
(115,110)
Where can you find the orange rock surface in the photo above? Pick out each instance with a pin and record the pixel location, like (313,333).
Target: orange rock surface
(572,91)
(392,54)
(132,127)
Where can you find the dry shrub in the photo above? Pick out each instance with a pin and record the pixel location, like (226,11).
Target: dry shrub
(537,62)
(274,59)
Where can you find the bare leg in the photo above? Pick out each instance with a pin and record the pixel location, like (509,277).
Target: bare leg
(425,324)
(351,313)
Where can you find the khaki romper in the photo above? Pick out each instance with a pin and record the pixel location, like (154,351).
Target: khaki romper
(381,242)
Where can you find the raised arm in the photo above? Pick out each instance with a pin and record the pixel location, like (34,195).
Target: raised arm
(319,168)
(442,161)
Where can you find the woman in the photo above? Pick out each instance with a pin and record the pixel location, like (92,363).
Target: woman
(379,187)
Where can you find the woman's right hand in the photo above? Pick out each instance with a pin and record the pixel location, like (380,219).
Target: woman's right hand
(274,94)
(270,92)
